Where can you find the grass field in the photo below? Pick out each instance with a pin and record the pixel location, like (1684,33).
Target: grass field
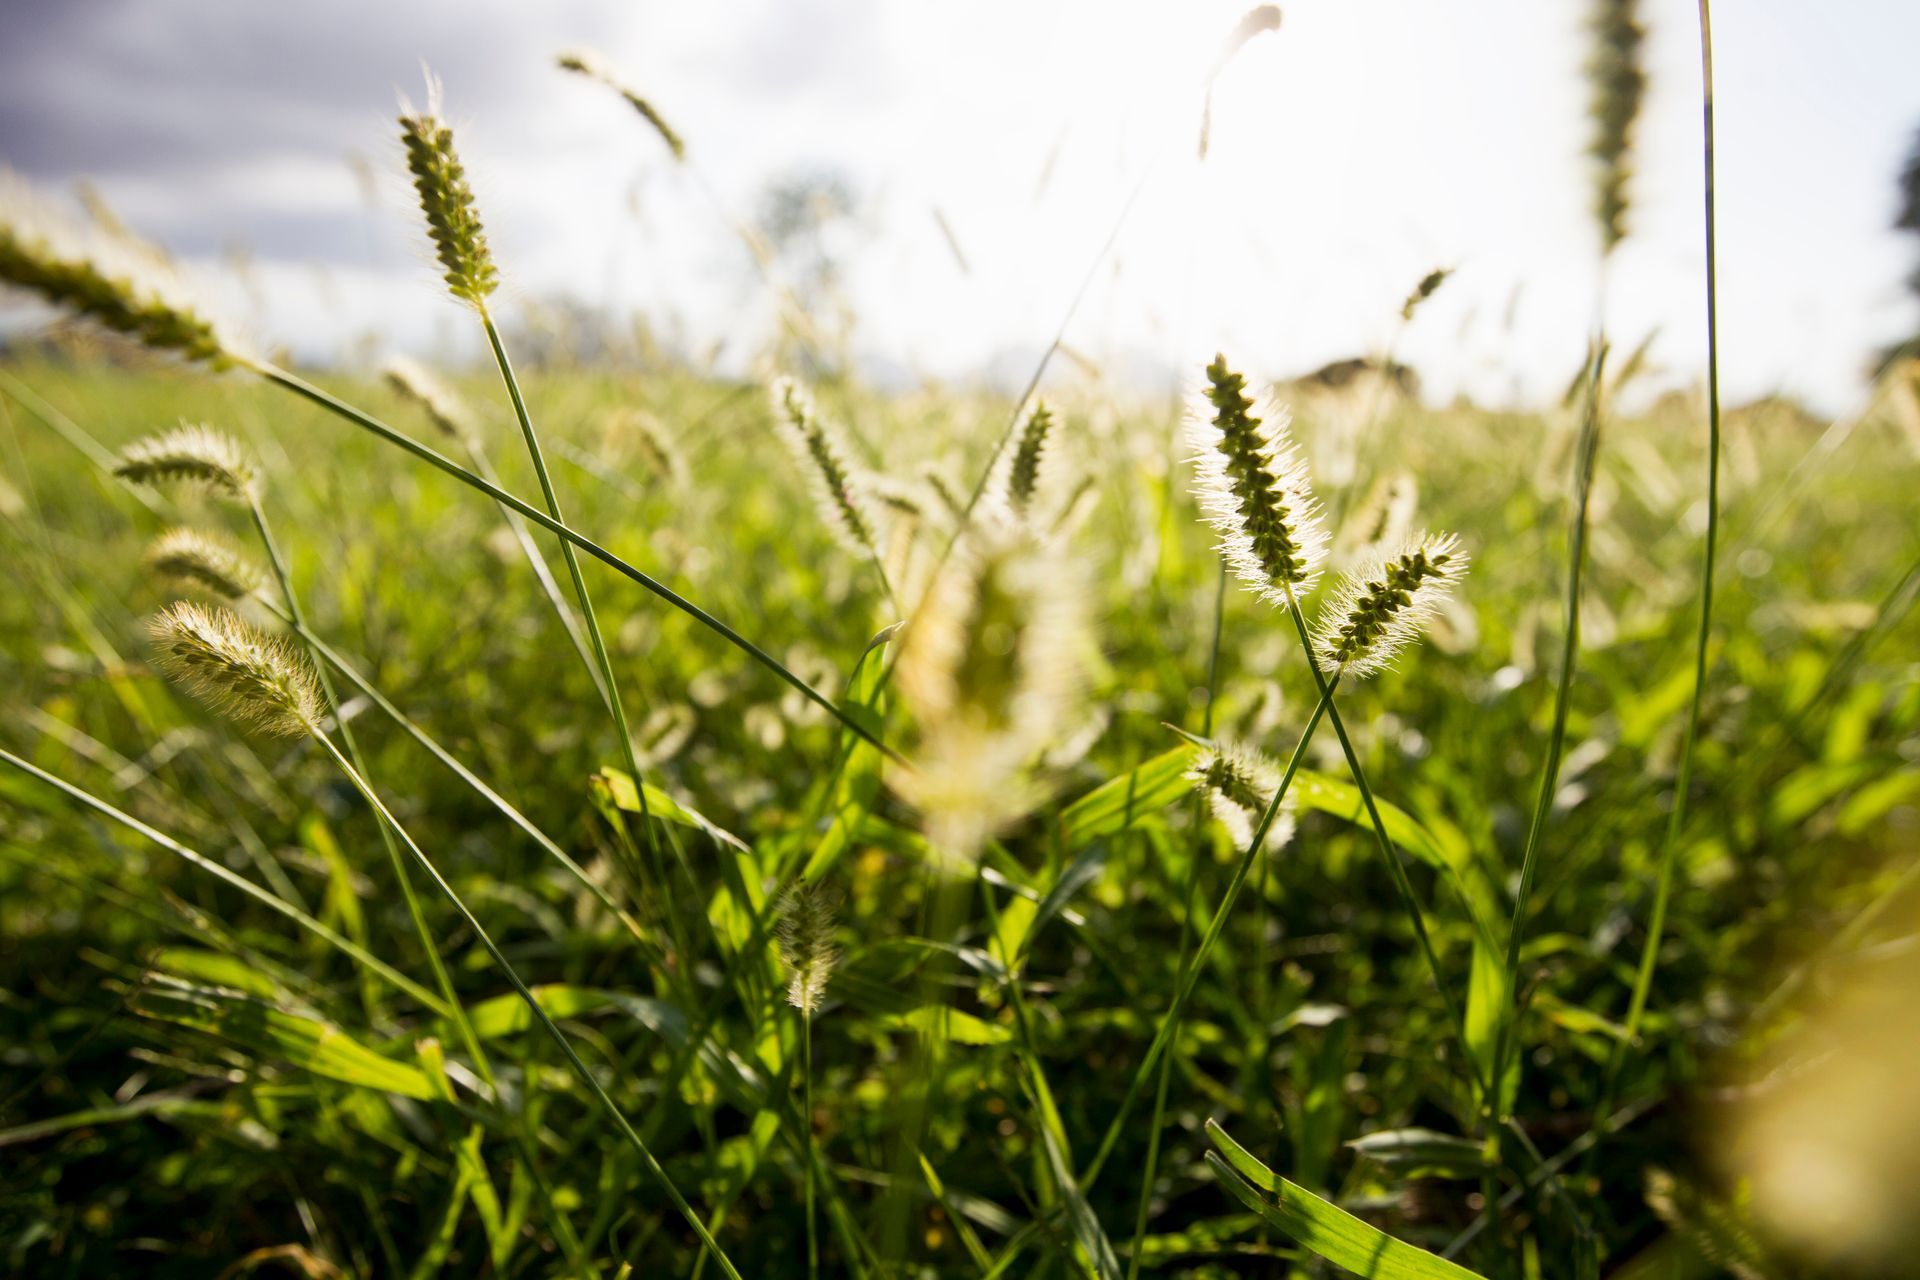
(195,1085)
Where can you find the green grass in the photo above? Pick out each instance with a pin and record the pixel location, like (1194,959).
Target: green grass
(191,1073)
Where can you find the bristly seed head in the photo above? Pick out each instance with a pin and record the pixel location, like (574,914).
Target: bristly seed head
(209,561)
(1618,85)
(838,490)
(253,677)
(190,454)
(106,276)
(447,201)
(1429,284)
(1023,466)
(805,934)
(1253,489)
(1238,782)
(417,383)
(1380,610)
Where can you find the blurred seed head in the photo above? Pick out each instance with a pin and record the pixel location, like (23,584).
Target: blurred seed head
(839,490)
(445,409)
(191,455)
(107,276)
(1383,520)
(209,561)
(1618,85)
(1020,473)
(1376,612)
(585,63)
(1253,488)
(1429,285)
(807,951)
(446,201)
(254,678)
(1238,782)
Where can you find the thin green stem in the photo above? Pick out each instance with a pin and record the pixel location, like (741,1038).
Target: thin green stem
(432,457)
(1683,779)
(580,1069)
(806,1121)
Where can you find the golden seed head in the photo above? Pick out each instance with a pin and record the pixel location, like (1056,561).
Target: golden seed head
(584,63)
(190,454)
(443,407)
(209,561)
(255,678)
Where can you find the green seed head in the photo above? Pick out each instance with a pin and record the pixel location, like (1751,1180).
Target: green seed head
(447,202)
(1380,610)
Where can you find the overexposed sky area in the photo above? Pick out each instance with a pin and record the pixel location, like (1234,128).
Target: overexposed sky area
(1360,145)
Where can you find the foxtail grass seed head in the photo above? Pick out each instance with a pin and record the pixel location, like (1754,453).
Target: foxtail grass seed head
(990,665)
(447,201)
(1618,86)
(1253,488)
(807,951)
(1380,610)
(209,561)
(192,455)
(1429,285)
(1022,468)
(105,276)
(583,63)
(255,678)
(1238,782)
(648,436)
(1382,521)
(838,489)
(415,382)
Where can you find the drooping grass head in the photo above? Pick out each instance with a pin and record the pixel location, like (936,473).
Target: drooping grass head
(256,679)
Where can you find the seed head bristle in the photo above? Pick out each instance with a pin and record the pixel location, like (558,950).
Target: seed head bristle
(1378,611)
(106,276)
(582,62)
(649,437)
(209,561)
(1618,85)
(838,489)
(899,496)
(807,951)
(989,666)
(255,678)
(1238,782)
(1383,520)
(447,201)
(940,483)
(443,407)
(190,454)
(1429,285)
(1253,488)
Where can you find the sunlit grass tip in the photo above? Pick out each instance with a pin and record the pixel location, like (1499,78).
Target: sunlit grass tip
(1379,610)
(190,454)
(807,951)
(415,382)
(839,489)
(1253,487)
(446,200)
(1238,782)
(588,64)
(254,678)
(1020,472)
(1429,285)
(107,277)
(206,560)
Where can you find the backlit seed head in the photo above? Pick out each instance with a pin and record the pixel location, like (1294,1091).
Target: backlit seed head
(106,276)
(1238,782)
(839,490)
(1253,488)
(807,950)
(446,201)
(1428,286)
(1020,473)
(255,678)
(1379,610)
(209,561)
(443,407)
(990,665)
(582,62)
(1618,86)
(190,454)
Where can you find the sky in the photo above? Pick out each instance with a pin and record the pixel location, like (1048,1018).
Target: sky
(1362,144)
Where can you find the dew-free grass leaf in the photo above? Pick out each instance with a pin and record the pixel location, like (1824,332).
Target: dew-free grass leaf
(1424,1152)
(1080,1215)
(1320,1226)
(1120,802)
(954,1025)
(615,786)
